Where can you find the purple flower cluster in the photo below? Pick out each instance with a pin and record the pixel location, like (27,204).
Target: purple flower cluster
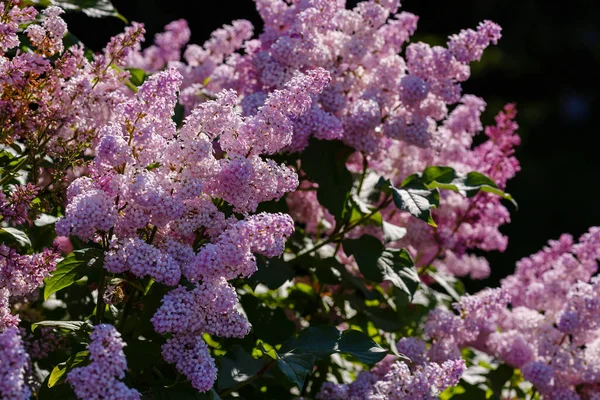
(374,92)
(100,379)
(551,330)
(155,189)
(419,379)
(14,361)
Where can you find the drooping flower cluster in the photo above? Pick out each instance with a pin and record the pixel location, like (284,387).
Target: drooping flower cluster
(417,379)
(155,196)
(13,363)
(101,378)
(551,331)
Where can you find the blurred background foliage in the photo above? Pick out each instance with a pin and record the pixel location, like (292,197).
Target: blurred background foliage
(548,62)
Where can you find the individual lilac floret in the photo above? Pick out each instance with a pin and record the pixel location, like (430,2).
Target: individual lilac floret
(101,378)
(14,362)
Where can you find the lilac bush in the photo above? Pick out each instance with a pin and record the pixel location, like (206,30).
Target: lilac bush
(276,214)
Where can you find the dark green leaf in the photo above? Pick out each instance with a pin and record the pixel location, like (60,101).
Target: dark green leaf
(325,163)
(392,233)
(498,379)
(91,8)
(379,264)
(466,184)
(268,324)
(322,341)
(237,366)
(138,76)
(418,202)
(182,392)
(361,346)
(447,282)
(296,365)
(67,325)
(273,272)
(71,269)
(61,369)
(12,235)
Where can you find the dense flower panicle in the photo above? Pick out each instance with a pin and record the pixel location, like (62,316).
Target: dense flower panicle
(551,331)
(371,85)
(47,36)
(14,362)
(21,274)
(158,190)
(7,320)
(191,356)
(16,207)
(397,380)
(90,212)
(166,48)
(12,17)
(141,259)
(101,378)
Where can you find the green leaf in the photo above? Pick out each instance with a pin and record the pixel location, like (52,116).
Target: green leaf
(61,369)
(466,184)
(447,282)
(379,264)
(296,365)
(392,233)
(237,366)
(67,325)
(322,341)
(361,346)
(71,269)
(499,377)
(138,76)
(418,202)
(91,8)
(268,324)
(273,272)
(325,163)
(12,235)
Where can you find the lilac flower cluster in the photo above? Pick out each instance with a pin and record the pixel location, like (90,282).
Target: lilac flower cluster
(418,379)
(16,207)
(155,191)
(21,275)
(374,92)
(462,223)
(101,378)
(13,363)
(378,102)
(551,331)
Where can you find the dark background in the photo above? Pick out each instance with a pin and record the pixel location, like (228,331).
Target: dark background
(548,62)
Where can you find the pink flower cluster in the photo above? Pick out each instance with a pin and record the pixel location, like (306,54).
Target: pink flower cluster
(418,379)
(156,191)
(374,92)
(551,330)
(101,378)
(397,110)
(19,276)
